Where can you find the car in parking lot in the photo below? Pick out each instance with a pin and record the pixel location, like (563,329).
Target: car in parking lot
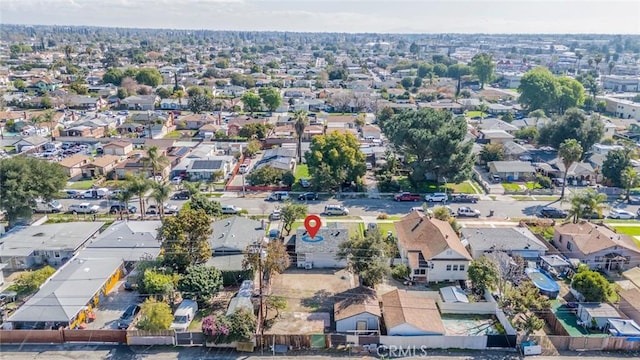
(308,196)
(621,214)
(436,197)
(128,316)
(553,213)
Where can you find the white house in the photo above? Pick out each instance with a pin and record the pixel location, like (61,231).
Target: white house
(432,249)
(596,315)
(320,251)
(358,313)
(409,315)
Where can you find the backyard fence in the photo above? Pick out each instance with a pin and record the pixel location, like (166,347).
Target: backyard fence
(552,344)
(295,342)
(62,336)
(161,337)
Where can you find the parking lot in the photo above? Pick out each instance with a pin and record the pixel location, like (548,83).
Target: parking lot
(112,306)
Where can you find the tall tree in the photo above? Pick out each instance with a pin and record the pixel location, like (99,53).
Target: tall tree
(149,76)
(271,98)
(630,179)
(200,282)
(160,194)
(574,124)
(23,180)
(139,186)
(155,315)
(482,65)
(483,274)
(341,153)
(185,239)
(367,256)
(300,123)
(252,101)
(124,196)
(156,160)
(614,164)
(271,257)
(200,103)
(570,151)
(433,142)
(538,89)
(585,204)
(457,71)
(570,94)
(291,212)
(592,285)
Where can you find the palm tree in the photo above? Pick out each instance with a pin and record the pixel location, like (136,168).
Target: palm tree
(579,56)
(124,197)
(590,62)
(586,203)
(139,186)
(68,49)
(612,65)
(598,60)
(630,179)
(483,108)
(570,151)
(160,194)
(49,117)
(300,118)
(155,159)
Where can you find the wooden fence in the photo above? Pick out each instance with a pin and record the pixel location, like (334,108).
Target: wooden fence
(295,342)
(554,324)
(62,336)
(552,344)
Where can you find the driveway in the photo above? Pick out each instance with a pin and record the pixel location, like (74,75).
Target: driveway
(112,306)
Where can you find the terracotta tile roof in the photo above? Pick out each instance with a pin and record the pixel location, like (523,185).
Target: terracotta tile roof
(73,160)
(105,160)
(590,238)
(358,301)
(399,307)
(431,237)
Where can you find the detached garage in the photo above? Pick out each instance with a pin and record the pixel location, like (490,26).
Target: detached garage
(320,251)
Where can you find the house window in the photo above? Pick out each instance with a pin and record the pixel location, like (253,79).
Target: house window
(461,267)
(569,246)
(56,254)
(627,259)
(448,267)
(560,239)
(455,267)
(598,259)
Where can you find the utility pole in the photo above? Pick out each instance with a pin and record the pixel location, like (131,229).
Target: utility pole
(261,313)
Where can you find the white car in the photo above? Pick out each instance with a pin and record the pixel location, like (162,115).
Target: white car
(621,214)
(176,180)
(436,197)
(466,211)
(230,209)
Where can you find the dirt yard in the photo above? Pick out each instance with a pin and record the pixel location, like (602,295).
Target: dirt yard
(310,297)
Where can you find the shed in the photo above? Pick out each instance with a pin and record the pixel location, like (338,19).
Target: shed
(453,294)
(596,315)
(358,313)
(620,327)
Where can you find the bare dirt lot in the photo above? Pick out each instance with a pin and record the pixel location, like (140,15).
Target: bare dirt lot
(310,297)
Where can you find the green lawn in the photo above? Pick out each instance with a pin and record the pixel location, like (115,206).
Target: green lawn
(475,113)
(302,171)
(511,187)
(432,186)
(535,198)
(175,134)
(385,227)
(533,185)
(81,185)
(632,231)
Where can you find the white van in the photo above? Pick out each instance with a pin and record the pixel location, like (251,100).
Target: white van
(335,210)
(184,314)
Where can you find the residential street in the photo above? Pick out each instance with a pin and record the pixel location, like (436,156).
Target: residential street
(71,352)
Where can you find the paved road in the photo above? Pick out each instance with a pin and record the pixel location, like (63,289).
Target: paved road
(73,352)
(503,207)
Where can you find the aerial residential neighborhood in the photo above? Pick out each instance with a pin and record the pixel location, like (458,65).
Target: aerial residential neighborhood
(477,192)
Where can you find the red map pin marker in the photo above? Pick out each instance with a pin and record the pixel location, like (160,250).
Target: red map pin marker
(312,223)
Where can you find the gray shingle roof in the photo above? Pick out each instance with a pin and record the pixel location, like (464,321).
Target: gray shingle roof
(234,234)
(507,239)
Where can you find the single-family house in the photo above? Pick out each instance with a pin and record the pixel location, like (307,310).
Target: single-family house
(358,312)
(497,124)
(101,166)
(514,151)
(140,102)
(174,104)
(495,136)
(594,315)
(196,121)
(210,168)
(371,132)
(320,251)
(83,131)
(52,244)
(431,248)
(29,143)
(73,165)
(630,303)
(85,102)
(512,170)
(230,238)
(118,147)
(596,245)
(280,158)
(511,240)
(405,314)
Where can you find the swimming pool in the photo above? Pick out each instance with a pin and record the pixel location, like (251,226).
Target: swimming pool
(544,283)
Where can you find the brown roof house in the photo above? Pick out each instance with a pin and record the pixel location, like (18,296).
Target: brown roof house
(118,147)
(73,165)
(597,246)
(409,315)
(432,249)
(630,303)
(358,313)
(101,166)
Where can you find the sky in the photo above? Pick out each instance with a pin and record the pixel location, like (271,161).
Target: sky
(355,16)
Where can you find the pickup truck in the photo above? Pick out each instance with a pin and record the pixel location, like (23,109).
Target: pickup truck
(464,198)
(468,212)
(84,208)
(407,197)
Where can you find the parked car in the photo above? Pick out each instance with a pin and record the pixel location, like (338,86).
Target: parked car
(128,316)
(464,198)
(308,196)
(304,183)
(278,196)
(496,178)
(53,206)
(230,209)
(168,209)
(73,194)
(621,214)
(634,200)
(117,208)
(436,197)
(552,213)
(83,208)
(275,215)
(466,211)
(176,180)
(336,210)
(184,314)
(181,195)
(406,196)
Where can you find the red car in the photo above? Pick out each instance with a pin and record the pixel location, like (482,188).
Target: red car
(405,196)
